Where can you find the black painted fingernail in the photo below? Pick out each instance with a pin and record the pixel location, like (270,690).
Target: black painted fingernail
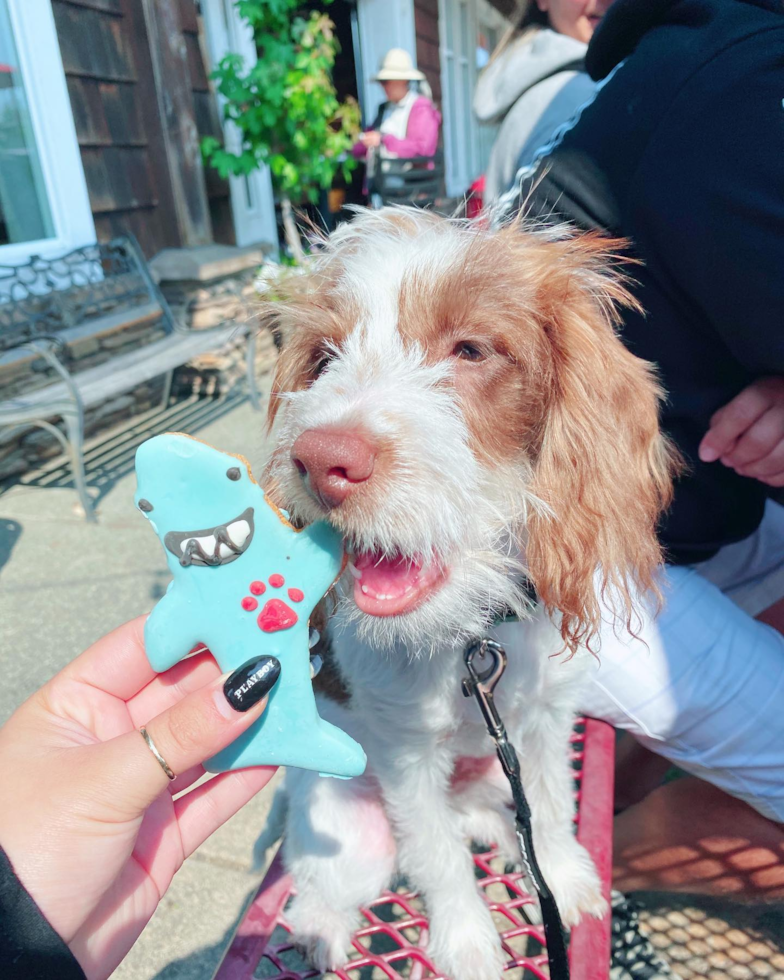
(248,684)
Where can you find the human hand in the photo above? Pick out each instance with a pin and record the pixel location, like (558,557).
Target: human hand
(91,824)
(371,139)
(747,434)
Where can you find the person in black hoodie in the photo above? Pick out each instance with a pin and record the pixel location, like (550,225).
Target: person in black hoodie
(682,154)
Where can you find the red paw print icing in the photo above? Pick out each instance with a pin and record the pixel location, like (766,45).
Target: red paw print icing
(276,614)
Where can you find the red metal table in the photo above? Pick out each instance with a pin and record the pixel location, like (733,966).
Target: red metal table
(392,942)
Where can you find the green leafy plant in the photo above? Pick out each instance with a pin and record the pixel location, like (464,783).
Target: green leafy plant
(285,107)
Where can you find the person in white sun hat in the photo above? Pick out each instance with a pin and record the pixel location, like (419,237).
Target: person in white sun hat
(407,123)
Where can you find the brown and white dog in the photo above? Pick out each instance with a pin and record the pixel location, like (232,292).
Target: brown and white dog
(456,402)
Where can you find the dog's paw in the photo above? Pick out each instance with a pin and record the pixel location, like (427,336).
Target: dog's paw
(574,882)
(466,946)
(323,934)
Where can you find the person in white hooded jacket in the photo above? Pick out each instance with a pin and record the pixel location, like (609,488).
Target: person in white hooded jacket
(535,82)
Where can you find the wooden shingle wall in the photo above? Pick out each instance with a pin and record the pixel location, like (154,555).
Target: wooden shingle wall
(107,66)
(428,57)
(111,81)
(208,123)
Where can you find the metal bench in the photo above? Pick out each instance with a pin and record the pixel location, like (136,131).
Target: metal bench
(415,181)
(48,306)
(392,940)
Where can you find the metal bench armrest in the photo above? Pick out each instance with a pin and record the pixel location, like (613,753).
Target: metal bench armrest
(48,347)
(152,286)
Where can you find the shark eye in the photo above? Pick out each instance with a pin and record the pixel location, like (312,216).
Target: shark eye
(233,473)
(145,506)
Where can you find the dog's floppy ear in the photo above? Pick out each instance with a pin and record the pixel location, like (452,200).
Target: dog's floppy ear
(602,467)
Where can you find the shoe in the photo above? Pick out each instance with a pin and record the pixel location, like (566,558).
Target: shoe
(632,957)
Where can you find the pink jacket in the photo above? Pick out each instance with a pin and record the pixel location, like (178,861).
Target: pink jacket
(421,134)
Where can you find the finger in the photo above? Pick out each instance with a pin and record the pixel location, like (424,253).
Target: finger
(769,479)
(731,421)
(192,730)
(768,465)
(758,441)
(200,812)
(185,780)
(116,664)
(166,689)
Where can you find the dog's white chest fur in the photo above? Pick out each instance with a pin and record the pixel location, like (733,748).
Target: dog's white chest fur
(421,696)
(413,811)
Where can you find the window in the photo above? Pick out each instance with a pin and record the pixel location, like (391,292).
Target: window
(24,208)
(486,43)
(44,206)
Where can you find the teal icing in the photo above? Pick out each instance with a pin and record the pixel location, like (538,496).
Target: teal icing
(187,484)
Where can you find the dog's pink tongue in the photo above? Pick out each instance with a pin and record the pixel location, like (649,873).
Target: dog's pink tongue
(390,586)
(391,577)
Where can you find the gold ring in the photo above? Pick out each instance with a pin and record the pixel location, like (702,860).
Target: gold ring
(152,747)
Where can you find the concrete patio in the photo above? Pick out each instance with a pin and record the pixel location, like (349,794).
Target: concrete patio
(63,584)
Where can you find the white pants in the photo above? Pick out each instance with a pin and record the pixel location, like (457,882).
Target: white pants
(706,687)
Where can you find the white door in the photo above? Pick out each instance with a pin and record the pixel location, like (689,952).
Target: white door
(468,31)
(383,24)
(457,29)
(491,27)
(252,201)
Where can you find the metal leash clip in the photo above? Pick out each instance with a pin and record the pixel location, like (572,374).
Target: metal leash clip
(481,684)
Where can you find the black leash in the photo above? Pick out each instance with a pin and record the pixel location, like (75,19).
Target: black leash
(481,685)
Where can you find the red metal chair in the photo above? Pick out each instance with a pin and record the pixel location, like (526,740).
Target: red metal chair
(475,199)
(392,942)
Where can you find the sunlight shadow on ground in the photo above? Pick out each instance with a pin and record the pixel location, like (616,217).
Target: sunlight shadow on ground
(110,455)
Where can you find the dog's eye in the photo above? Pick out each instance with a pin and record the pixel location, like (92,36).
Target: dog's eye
(321,363)
(467,351)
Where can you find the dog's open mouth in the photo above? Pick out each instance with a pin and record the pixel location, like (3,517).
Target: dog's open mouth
(214,545)
(391,586)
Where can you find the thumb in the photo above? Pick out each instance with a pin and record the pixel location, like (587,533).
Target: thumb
(196,728)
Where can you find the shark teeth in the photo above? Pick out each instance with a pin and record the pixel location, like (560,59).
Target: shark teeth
(238,531)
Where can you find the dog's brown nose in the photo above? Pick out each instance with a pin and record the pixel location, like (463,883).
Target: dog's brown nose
(333,463)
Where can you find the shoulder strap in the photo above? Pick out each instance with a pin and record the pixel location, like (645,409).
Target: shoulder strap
(577,65)
(379,115)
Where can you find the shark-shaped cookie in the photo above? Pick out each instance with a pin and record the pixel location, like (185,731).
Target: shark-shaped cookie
(245,582)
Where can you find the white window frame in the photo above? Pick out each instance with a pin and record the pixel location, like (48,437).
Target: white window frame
(488,16)
(461,126)
(462,164)
(254,220)
(51,117)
